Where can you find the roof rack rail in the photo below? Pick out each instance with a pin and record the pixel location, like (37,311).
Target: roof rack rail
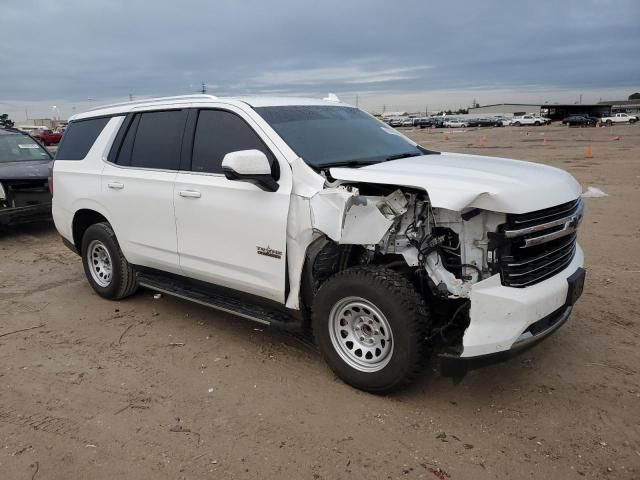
(156,99)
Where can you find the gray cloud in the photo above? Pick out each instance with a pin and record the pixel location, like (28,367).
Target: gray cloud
(77,49)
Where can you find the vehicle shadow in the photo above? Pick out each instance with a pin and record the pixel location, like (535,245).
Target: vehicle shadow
(35,229)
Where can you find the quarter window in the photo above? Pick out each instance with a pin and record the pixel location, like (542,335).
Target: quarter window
(219,132)
(79,137)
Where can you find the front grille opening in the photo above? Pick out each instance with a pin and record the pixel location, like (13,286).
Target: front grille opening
(521,266)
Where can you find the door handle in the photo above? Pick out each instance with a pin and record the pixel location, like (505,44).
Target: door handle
(189,193)
(115,185)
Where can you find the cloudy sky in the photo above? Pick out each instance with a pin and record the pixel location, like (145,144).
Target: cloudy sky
(404,54)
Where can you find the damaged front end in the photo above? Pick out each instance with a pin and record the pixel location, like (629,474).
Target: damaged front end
(443,252)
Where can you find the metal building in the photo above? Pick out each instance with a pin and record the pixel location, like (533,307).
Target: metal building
(554,111)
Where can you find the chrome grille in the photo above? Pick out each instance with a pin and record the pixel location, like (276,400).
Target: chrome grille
(539,244)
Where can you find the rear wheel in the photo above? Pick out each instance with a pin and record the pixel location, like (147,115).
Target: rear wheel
(609,123)
(370,326)
(105,267)
(517,124)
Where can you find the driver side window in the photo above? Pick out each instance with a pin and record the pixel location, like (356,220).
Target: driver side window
(219,132)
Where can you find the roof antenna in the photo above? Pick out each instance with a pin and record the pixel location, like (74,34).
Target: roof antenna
(332,97)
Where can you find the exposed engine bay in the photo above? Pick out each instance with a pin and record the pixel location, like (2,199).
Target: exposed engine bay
(449,250)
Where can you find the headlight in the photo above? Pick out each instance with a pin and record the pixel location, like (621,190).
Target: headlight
(3,196)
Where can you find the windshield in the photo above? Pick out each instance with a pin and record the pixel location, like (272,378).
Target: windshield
(326,135)
(18,148)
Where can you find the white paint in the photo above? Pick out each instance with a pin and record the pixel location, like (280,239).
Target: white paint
(247,162)
(500,314)
(456,181)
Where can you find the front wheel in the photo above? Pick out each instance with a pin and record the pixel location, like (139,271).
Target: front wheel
(370,325)
(105,267)
(517,124)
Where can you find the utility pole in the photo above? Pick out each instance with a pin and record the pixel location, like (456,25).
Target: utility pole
(130,97)
(356,101)
(204,88)
(426,110)
(384,108)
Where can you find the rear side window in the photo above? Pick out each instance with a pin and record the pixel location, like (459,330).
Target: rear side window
(79,137)
(219,132)
(154,140)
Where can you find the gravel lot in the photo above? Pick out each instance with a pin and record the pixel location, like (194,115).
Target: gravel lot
(161,388)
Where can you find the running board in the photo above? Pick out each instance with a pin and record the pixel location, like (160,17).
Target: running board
(223,303)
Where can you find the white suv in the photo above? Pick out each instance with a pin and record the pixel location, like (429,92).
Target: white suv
(300,212)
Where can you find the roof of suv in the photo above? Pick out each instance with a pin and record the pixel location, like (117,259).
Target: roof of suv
(253,101)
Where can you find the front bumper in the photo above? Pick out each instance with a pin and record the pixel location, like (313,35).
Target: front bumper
(28,213)
(455,366)
(506,321)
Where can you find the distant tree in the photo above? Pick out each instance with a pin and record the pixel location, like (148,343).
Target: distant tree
(5,122)
(462,111)
(634,96)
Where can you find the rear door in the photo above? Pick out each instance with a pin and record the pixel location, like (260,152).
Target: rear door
(137,187)
(231,233)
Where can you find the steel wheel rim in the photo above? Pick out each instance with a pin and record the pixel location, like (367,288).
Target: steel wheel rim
(360,334)
(100,264)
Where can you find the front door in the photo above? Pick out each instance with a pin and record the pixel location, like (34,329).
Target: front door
(231,233)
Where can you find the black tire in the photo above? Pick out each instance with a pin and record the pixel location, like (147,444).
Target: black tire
(631,122)
(537,124)
(123,281)
(608,123)
(516,124)
(405,313)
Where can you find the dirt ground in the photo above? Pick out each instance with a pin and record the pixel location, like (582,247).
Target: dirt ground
(161,388)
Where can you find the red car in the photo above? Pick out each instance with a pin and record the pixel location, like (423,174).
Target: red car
(48,137)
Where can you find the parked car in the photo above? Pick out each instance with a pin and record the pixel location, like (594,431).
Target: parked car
(578,121)
(527,120)
(484,122)
(24,173)
(455,123)
(384,248)
(619,118)
(396,122)
(407,122)
(438,122)
(422,122)
(47,137)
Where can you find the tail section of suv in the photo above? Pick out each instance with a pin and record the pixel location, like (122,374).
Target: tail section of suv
(301,212)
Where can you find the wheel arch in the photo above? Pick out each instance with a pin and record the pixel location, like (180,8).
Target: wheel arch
(323,258)
(83,219)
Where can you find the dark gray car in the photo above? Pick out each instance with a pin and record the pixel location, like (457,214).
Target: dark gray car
(24,172)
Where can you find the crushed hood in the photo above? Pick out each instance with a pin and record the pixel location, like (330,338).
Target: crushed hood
(456,181)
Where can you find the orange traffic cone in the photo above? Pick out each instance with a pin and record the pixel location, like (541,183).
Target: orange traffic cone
(544,139)
(446,137)
(589,153)
(482,141)
(616,138)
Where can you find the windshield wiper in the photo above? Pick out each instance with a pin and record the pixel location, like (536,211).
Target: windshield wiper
(402,155)
(349,163)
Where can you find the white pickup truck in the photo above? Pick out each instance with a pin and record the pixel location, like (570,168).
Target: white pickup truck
(312,213)
(619,118)
(529,120)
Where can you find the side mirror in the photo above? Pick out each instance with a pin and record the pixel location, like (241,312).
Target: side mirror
(249,166)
